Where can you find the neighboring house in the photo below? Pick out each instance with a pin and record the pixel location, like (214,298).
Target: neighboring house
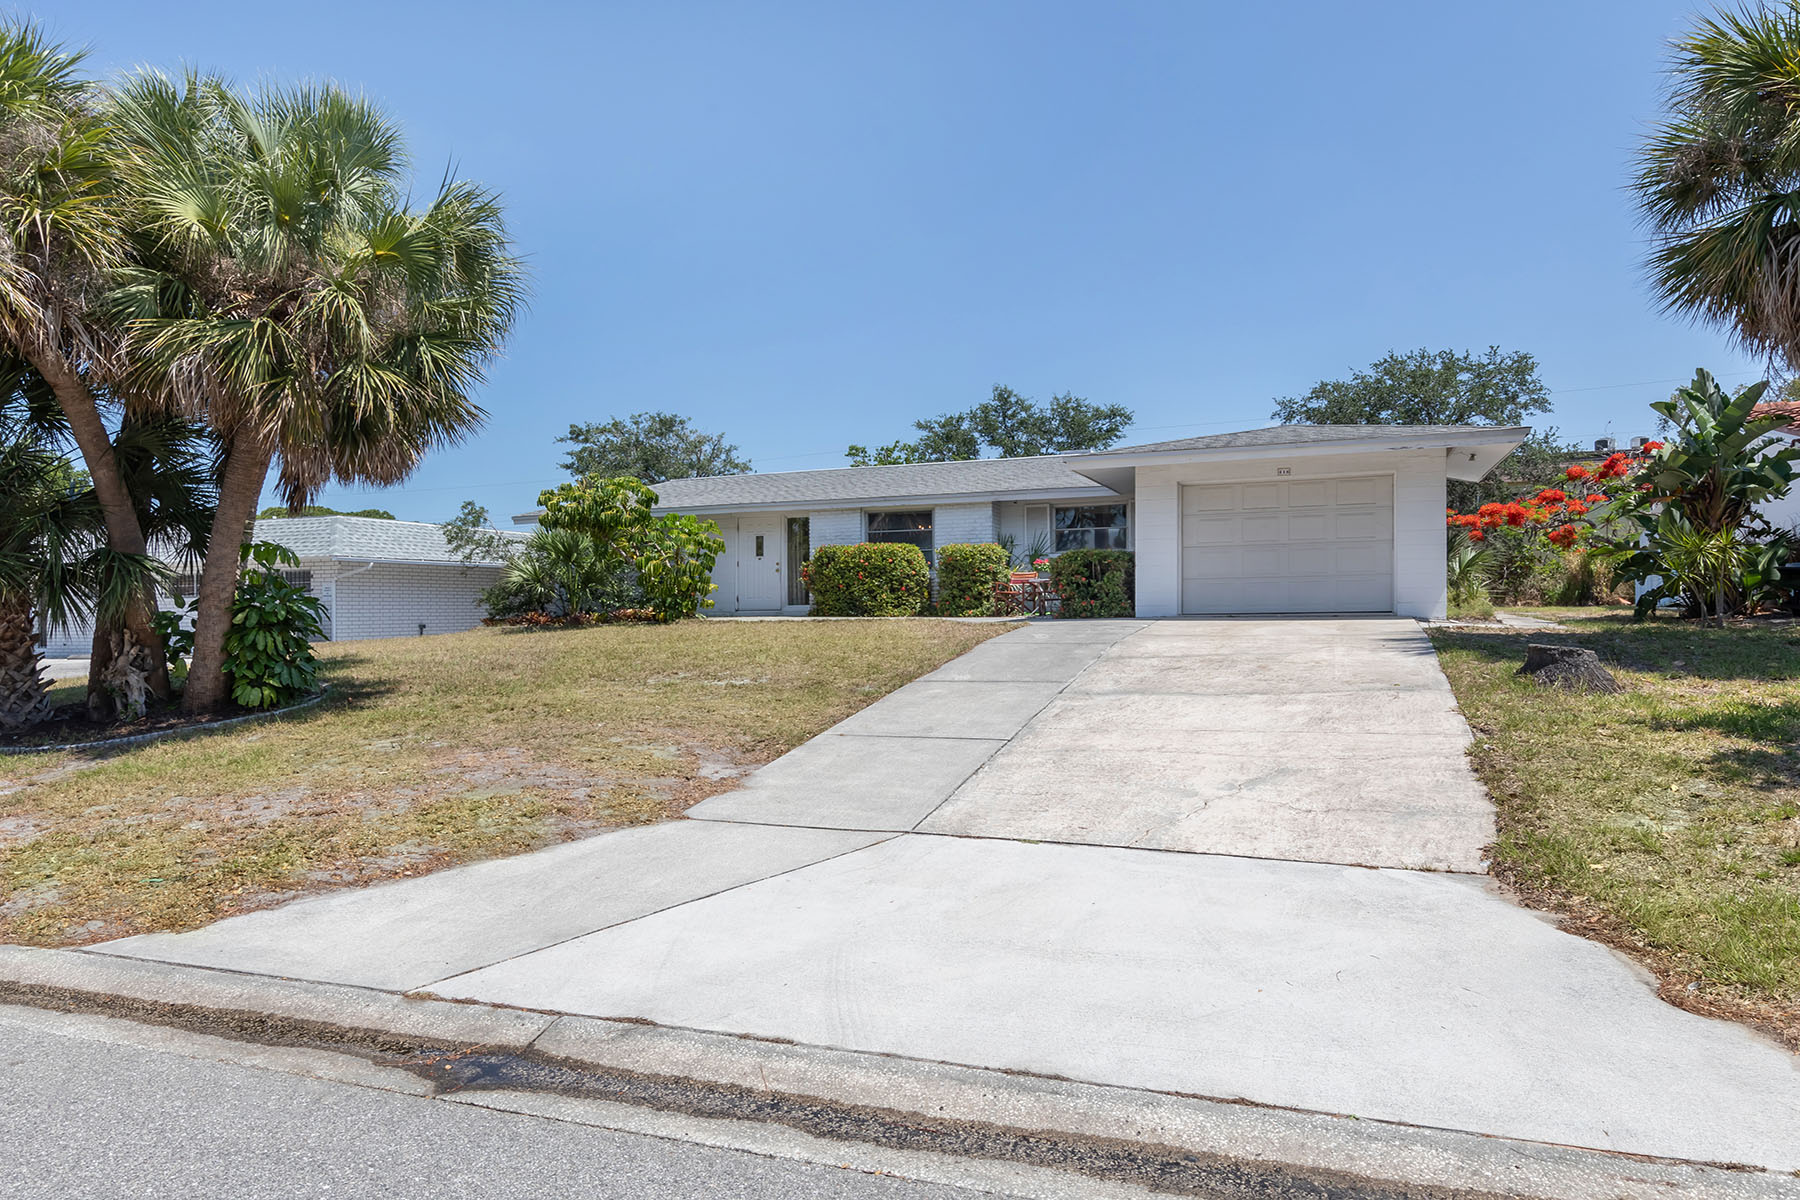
(376,578)
(1290,519)
(1785,512)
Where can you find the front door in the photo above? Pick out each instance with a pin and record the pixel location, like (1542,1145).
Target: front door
(760,543)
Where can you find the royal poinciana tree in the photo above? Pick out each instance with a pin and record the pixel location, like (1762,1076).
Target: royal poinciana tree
(285,294)
(65,235)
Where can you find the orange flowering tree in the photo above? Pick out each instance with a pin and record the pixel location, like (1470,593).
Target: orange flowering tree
(1524,535)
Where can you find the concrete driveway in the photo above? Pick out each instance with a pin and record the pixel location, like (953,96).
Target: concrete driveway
(1232,906)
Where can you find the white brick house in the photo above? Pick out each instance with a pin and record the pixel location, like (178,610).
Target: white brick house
(1292,518)
(376,578)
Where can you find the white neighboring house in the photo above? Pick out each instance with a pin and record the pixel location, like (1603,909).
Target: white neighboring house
(1785,512)
(1288,519)
(377,578)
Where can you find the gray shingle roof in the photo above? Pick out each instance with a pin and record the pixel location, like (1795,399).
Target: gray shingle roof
(362,539)
(976,477)
(1312,435)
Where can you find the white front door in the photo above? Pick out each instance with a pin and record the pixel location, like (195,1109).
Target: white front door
(761,542)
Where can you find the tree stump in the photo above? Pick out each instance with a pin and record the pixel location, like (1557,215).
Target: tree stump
(1568,667)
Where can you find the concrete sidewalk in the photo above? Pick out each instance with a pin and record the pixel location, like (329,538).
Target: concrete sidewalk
(887,888)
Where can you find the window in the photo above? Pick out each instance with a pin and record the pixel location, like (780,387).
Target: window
(186,584)
(913,528)
(1092,527)
(799,552)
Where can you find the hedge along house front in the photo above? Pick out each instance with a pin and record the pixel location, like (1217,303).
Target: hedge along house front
(1292,518)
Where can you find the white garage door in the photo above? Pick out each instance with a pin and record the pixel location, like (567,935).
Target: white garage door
(1312,545)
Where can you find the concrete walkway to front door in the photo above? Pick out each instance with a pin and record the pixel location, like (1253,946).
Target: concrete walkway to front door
(1180,856)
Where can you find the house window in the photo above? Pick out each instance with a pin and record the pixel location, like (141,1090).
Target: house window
(913,528)
(799,553)
(1092,527)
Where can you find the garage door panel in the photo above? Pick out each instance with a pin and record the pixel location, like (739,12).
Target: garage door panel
(1310,546)
(1262,495)
(1308,495)
(1209,499)
(1271,528)
(1363,524)
(1364,491)
(1308,527)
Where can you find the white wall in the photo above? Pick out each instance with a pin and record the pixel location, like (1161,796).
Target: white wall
(390,600)
(956,523)
(836,527)
(1419,495)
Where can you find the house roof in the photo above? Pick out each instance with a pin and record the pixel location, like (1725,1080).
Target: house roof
(1787,409)
(850,487)
(1094,475)
(364,539)
(1315,435)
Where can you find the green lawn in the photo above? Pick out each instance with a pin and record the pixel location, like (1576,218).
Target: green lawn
(429,752)
(1666,819)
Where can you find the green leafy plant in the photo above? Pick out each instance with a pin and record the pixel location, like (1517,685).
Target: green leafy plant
(1466,572)
(868,579)
(967,573)
(1696,501)
(1094,583)
(671,556)
(269,659)
(559,573)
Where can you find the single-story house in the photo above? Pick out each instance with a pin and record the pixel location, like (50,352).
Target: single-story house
(376,578)
(1289,519)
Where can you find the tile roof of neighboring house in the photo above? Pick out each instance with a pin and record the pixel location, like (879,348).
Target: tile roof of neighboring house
(855,485)
(1789,409)
(363,539)
(1314,435)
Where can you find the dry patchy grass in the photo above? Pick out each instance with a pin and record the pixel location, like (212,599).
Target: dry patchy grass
(1665,820)
(429,752)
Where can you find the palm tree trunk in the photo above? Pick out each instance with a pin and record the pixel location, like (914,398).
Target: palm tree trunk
(240,487)
(24,700)
(123,532)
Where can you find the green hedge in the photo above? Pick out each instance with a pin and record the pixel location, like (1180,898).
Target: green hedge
(1095,583)
(869,579)
(966,575)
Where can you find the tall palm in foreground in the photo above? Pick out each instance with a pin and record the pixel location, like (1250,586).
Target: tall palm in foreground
(294,303)
(1719,180)
(63,237)
(55,566)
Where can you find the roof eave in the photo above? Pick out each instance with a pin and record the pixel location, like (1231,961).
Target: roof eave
(1094,492)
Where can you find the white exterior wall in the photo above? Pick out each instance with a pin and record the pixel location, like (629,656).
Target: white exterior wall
(836,527)
(390,600)
(1419,492)
(954,523)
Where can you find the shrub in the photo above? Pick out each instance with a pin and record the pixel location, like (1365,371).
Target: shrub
(1095,583)
(966,575)
(670,557)
(269,658)
(869,579)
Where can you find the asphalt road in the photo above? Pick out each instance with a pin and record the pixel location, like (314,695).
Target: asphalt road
(93,1120)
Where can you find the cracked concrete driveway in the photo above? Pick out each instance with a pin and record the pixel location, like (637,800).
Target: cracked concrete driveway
(1234,906)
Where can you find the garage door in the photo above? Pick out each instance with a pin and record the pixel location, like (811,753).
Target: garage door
(1314,545)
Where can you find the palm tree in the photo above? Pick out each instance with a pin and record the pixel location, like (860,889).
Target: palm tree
(1719,180)
(55,565)
(292,301)
(64,236)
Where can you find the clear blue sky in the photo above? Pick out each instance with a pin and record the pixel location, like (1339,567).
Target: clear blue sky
(804,225)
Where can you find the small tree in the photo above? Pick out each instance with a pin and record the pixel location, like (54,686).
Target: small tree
(1013,426)
(671,555)
(651,446)
(1697,497)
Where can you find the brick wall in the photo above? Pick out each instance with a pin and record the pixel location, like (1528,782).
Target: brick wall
(390,600)
(954,523)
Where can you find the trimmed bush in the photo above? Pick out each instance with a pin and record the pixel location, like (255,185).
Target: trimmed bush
(1095,583)
(966,575)
(869,579)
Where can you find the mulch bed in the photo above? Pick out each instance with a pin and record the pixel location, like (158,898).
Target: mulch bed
(69,725)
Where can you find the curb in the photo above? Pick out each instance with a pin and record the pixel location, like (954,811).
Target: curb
(138,739)
(745,1086)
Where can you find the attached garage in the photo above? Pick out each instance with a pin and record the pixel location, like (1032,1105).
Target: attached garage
(1296,518)
(1288,546)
